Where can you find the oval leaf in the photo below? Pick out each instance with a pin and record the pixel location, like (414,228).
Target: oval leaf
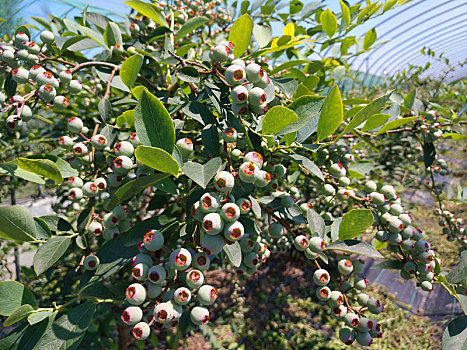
(356,247)
(355,222)
(234,253)
(331,114)
(17,223)
(189,26)
(328,22)
(18,314)
(395,124)
(240,34)
(12,295)
(49,253)
(153,123)
(188,74)
(130,69)
(202,174)
(157,158)
(278,118)
(44,167)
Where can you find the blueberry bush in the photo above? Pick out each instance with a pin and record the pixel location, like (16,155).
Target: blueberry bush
(188,139)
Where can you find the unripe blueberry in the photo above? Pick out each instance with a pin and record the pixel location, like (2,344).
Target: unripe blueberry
(162,312)
(180,259)
(234,231)
(207,294)
(199,315)
(90,189)
(374,306)
(196,211)
(239,94)
(124,148)
(212,244)
(321,277)
(276,230)
(248,172)
(365,324)
(235,154)
(377,198)
(95,228)
(362,299)
(395,239)
(396,209)
(220,53)
(74,125)
(344,181)
(20,75)
(254,73)
(301,242)
(61,102)
(364,338)
(347,335)
(140,272)
(351,320)
(110,220)
(47,37)
(14,122)
(194,279)
(370,186)
(407,232)
(309,254)
(99,142)
(388,191)
(280,170)
(110,233)
(91,262)
(251,259)
(336,298)
(329,190)
(258,109)
(75,194)
(201,261)
(153,240)
(244,205)
(80,149)
(136,294)
(141,258)
(224,181)
(317,244)
(361,284)
(240,108)
(75,86)
(185,146)
(235,75)
(157,274)
(229,135)
(422,245)
(339,311)
(33,48)
(182,296)
(257,96)
(21,37)
(153,290)
(264,179)
(47,92)
(337,170)
(122,165)
(132,315)
(209,202)
(406,219)
(343,194)
(141,331)
(213,223)
(323,293)
(395,225)
(230,212)
(254,157)
(65,76)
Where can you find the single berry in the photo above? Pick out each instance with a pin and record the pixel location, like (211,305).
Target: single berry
(136,294)
(91,262)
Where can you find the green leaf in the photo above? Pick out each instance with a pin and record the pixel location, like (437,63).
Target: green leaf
(153,123)
(158,159)
(331,114)
(234,253)
(429,153)
(388,265)
(335,229)
(38,315)
(68,331)
(345,13)
(189,26)
(12,295)
(17,224)
(395,124)
(240,34)
(409,99)
(11,169)
(455,335)
(375,121)
(104,108)
(18,314)
(328,22)
(308,164)
(356,247)
(127,117)
(133,187)
(44,167)
(188,74)
(276,119)
(366,112)
(112,34)
(287,65)
(130,69)
(355,222)
(263,34)
(316,223)
(307,109)
(454,136)
(49,253)
(42,230)
(148,10)
(459,272)
(370,38)
(202,174)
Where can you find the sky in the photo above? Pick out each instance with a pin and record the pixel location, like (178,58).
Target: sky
(439,24)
